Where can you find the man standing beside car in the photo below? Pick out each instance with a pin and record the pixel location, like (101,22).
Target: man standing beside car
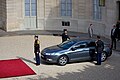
(99,48)
(118,30)
(113,36)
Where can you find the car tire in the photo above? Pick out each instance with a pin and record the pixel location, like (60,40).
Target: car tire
(103,56)
(62,61)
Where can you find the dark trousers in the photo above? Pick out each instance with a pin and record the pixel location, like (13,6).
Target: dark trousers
(113,43)
(37,58)
(118,37)
(98,58)
(92,53)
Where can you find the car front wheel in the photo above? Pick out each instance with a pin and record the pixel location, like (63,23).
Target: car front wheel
(62,60)
(103,56)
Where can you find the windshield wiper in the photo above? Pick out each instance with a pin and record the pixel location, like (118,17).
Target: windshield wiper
(59,46)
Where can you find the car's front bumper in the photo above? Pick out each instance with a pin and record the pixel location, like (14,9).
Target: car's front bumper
(49,58)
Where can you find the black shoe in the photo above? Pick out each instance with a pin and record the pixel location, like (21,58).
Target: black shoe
(97,64)
(37,64)
(114,48)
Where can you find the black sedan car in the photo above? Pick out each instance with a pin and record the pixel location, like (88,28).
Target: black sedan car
(74,50)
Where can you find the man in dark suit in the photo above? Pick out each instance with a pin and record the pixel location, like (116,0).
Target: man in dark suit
(118,30)
(118,33)
(113,36)
(99,48)
(65,35)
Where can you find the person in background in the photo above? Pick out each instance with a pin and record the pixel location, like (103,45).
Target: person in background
(65,35)
(37,50)
(118,33)
(118,30)
(113,36)
(90,31)
(99,48)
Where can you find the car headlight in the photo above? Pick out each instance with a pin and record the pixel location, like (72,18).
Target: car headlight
(50,53)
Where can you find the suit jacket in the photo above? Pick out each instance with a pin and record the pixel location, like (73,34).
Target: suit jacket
(90,31)
(114,35)
(118,31)
(99,46)
(65,37)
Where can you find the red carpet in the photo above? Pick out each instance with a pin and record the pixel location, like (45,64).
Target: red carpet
(14,68)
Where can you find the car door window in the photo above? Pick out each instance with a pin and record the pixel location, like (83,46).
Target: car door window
(91,44)
(80,45)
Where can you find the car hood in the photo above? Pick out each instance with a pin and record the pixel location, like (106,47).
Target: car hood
(52,49)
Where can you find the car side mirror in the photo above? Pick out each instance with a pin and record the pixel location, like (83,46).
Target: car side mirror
(73,48)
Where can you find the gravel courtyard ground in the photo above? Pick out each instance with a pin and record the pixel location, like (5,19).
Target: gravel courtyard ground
(12,47)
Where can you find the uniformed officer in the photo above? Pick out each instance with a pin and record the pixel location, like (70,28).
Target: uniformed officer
(99,48)
(37,50)
(65,35)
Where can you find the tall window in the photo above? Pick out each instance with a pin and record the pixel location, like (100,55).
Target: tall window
(30,7)
(96,10)
(102,3)
(66,7)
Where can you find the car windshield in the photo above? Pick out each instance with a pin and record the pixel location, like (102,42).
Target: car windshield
(67,44)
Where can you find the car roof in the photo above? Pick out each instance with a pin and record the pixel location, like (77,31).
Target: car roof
(83,40)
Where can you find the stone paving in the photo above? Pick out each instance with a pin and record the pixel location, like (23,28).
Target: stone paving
(19,45)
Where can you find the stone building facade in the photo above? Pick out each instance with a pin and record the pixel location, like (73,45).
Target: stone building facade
(3,14)
(74,15)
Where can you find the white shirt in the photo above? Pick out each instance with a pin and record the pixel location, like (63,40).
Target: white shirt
(113,31)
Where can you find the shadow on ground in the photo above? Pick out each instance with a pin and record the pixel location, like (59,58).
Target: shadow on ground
(30,61)
(106,71)
(27,60)
(89,73)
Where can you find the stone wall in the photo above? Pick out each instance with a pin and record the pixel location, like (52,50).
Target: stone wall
(49,18)
(14,14)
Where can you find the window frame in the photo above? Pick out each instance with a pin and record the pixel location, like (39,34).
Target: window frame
(97,10)
(67,9)
(32,10)
(66,23)
(79,45)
